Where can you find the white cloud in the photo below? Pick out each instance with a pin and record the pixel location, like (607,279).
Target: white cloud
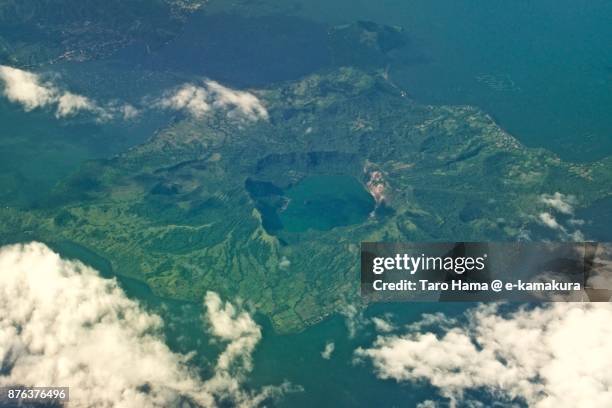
(238,102)
(560,202)
(428,320)
(382,325)
(189,97)
(549,220)
(68,104)
(26,88)
(237,327)
(129,111)
(353,318)
(553,356)
(328,350)
(284,263)
(230,323)
(427,404)
(227,322)
(62,324)
(32,92)
(199,100)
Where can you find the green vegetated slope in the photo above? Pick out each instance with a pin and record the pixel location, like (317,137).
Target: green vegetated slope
(197,207)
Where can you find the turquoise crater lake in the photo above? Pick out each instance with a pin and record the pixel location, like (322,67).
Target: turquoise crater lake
(319,202)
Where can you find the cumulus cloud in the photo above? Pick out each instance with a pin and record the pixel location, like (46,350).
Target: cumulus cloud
(556,355)
(68,104)
(328,350)
(549,220)
(284,263)
(427,404)
(565,233)
(62,324)
(429,320)
(128,111)
(26,88)
(198,100)
(31,91)
(353,318)
(229,323)
(561,207)
(237,102)
(560,202)
(188,97)
(382,325)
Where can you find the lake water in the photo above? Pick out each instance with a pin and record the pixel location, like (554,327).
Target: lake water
(318,202)
(325,202)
